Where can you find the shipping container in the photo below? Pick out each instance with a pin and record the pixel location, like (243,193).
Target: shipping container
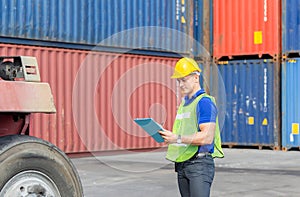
(243,27)
(202,27)
(252,103)
(151,25)
(290,28)
(97,96)
(290,103)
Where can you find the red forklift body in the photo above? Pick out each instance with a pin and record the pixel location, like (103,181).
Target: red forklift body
(22,93)
(26,97)
(29,166)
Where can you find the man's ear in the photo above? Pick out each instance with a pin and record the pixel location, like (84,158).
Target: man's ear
(196,77)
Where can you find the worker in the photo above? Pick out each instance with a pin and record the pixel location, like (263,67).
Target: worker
(195,140)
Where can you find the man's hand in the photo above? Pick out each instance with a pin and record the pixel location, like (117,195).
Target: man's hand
(168,136)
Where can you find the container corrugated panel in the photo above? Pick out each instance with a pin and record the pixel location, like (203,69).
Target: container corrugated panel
(98,94)
(243,27)
(252,108)
(162,25)
(290,103)
(290,27)
(203,24)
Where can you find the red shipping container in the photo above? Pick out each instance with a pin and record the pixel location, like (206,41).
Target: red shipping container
(246,27)
(98,94)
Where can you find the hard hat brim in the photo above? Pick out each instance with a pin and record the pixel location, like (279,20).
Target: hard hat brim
(177,75)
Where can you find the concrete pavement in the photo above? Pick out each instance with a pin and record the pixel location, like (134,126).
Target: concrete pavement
(243,172)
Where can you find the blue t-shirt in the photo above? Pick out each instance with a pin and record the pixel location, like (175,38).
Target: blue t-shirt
(206,112)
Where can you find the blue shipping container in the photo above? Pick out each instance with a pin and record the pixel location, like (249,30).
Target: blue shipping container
(157,25)
(252,106)
(290,103)
(290,27)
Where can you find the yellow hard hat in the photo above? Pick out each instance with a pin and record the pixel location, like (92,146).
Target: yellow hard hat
(184,67)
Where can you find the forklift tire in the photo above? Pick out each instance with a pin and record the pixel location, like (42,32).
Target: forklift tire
(30,166)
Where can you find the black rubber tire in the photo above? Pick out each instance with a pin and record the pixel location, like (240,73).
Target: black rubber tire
(19,153)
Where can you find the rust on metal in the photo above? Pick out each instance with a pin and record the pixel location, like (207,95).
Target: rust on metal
(206,43)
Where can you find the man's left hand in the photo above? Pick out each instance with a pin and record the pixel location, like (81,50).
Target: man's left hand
(168,136)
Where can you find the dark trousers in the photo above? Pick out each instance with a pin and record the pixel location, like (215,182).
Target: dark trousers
(195,176)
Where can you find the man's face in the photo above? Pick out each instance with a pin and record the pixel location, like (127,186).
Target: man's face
(187,84)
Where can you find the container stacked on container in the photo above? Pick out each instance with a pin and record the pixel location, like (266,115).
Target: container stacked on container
(246,47)
(290,74)
(98,89)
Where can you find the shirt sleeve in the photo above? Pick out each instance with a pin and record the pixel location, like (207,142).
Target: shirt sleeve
(206,111)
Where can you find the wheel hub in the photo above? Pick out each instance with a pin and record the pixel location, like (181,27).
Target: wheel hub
(30,184)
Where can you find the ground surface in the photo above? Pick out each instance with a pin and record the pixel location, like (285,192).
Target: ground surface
(243,172)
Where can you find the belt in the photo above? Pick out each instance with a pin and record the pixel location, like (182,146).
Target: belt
(198,155)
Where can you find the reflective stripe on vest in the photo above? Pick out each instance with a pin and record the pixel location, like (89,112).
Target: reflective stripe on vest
(186,124)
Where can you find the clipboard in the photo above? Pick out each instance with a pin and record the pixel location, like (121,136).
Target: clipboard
(151,127)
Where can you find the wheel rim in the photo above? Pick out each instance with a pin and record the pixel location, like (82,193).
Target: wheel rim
(30,183)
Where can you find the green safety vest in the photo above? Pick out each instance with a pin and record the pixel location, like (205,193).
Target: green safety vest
(186,124)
